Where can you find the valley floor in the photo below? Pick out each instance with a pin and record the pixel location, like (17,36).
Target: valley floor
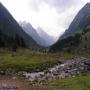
(27,61)
(13,83)
(75,83)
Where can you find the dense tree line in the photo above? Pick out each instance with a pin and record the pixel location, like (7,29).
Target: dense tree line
(67,44)
(11,41)
(70,43)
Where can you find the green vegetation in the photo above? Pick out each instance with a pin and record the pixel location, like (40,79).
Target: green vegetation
(75,83)
(68,44)
(11,41)
(78,43)
(25,62)
(28,60)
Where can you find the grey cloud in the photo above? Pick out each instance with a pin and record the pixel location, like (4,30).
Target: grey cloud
(61,5)
(35,4)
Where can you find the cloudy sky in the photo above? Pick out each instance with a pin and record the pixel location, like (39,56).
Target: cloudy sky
(53,16)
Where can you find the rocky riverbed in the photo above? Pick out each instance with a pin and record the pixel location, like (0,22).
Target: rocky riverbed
(63,69)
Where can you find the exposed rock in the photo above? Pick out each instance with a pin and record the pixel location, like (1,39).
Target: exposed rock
(69,68)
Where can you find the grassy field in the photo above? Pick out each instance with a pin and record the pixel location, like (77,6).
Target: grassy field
(27,60)
(74,83)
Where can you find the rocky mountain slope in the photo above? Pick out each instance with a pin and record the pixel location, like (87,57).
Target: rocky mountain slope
(41,37)
(77,37)
(79,43)
(81,21)
(10,28)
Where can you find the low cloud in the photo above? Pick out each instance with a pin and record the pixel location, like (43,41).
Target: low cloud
(59,5)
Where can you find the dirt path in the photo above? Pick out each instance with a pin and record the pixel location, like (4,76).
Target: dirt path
(13,83)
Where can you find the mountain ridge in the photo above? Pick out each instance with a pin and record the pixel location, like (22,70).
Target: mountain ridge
(81,21)
(76,37)
(9,26)
(41,37)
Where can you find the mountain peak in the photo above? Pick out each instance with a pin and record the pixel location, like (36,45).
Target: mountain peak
(39,35)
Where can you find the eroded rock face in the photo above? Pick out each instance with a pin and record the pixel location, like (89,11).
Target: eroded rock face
(69,68)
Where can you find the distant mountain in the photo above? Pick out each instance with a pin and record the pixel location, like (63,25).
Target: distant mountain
(77,36)
(11,29)
(47,39)
(41,37)
(81,21)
